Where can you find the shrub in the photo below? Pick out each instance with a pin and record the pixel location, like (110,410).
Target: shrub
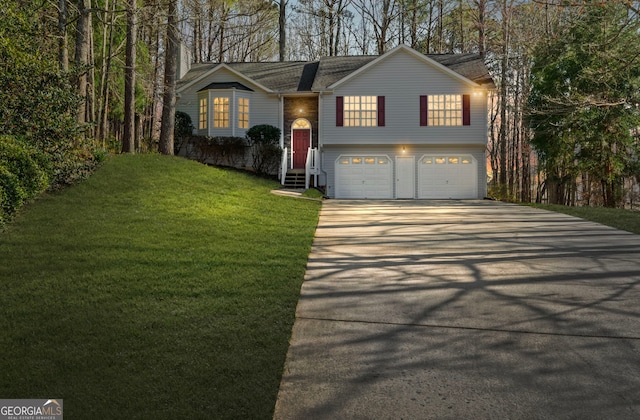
(183,129)
(39,102)
(24,173)
(265,148)
(227,151)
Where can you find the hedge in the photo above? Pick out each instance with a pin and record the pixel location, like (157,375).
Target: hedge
(24,173)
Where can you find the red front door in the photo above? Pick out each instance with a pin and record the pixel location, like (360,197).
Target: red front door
(301,143)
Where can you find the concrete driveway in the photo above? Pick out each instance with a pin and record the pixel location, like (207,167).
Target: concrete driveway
(464,310)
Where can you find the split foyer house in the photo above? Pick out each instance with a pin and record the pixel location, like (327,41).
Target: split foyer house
(399,125)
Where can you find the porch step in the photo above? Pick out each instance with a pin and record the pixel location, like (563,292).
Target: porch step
(295,179)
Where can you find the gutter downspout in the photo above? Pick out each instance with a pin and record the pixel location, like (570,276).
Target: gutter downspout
(281,118)
(321,145)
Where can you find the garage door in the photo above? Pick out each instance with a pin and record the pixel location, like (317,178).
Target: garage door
(363,177)
(448,176)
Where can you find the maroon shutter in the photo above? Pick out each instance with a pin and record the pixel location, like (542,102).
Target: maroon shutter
(466,110)
(339,111)
(380,111)
(423,111)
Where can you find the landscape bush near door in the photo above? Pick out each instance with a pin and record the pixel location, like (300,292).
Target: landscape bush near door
(264,141)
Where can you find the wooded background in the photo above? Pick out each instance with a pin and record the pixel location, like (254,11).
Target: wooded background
(563,123)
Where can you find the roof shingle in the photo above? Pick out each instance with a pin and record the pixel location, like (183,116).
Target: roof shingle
(302,76)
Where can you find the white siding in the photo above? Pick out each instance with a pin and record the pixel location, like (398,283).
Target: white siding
(263,108)
(331,153)
(401,79)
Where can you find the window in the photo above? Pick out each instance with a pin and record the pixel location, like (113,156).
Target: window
(202,120)
(444,110)
(221,112)
(243,112)
(446,160)
(360,111)
(300,123)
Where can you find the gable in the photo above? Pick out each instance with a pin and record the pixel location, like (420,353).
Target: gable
(404,76)
(270,77)
(397,59)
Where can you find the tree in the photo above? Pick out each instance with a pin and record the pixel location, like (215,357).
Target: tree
(169,99)
(63,42)
(128,140)
(585,100)
(380,15)
(282,29)
(83,36)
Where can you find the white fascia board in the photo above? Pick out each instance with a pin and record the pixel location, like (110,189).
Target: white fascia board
(416,54)
(225,67)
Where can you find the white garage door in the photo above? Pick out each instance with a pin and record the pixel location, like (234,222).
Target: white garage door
(448,176)
(363,177)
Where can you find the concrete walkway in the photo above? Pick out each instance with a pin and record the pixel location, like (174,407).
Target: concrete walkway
(464,310)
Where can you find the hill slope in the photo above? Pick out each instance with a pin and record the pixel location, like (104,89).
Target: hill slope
(158,288)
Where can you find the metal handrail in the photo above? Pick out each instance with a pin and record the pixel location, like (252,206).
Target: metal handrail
(283,166)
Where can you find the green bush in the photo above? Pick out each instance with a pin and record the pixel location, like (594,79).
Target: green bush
(13,195)
(75,163)
(226,151)
(183,129)
(24,173)
(265,148)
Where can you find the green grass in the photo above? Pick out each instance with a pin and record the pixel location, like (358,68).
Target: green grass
(313,193)
(623,219)
(158,288)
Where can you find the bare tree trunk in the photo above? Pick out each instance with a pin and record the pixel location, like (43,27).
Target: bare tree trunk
(63,43)
(90,111)
(502,138)
(440,26)
(105,89)
(413,32)
(169,100)
(282,41)
(128,140)
(82,55)
(481,26)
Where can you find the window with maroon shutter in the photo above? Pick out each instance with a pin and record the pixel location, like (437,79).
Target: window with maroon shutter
(360,111)
(445,110)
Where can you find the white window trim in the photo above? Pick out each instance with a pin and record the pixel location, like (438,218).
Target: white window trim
(205,98)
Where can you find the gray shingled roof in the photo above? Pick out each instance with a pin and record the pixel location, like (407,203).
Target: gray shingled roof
(332,69)
(470,66)
(300,76)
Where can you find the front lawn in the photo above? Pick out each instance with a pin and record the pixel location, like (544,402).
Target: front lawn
(623,219)
(158,288)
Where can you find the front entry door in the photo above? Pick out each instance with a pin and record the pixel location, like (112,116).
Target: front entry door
(301,144)
(405,177)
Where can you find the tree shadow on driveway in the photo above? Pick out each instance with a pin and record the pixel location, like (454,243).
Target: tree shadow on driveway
(464,309)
